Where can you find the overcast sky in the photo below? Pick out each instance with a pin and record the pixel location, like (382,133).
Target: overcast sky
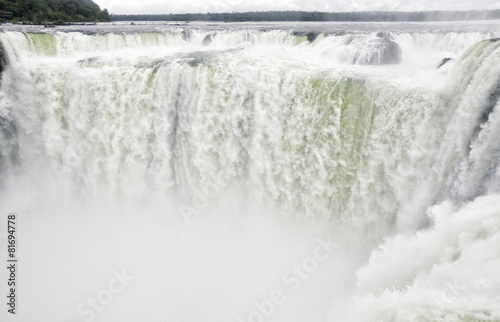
(184,6)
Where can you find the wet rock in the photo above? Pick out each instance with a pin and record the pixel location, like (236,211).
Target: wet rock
(208,39)
(186,34)
(390,52)
(383,51)
(444,61)
(3,60)
(9,146)
(311,35)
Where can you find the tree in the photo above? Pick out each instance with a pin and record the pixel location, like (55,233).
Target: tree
(40,11)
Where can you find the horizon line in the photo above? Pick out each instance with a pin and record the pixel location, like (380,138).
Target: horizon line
(306,11)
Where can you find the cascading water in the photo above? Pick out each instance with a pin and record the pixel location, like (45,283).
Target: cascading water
(356,135)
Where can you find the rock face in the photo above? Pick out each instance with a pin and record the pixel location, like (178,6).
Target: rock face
(444,61)
(311,35)
(386,52)
(186,34)
(380,51)
(3,60)
(9,147)
(208,39)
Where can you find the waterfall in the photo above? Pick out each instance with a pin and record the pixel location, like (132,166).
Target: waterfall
(359,130)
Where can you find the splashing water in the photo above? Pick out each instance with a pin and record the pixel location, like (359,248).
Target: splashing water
(208,162)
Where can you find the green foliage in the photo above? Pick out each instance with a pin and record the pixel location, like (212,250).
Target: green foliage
(317,16)
(56,11)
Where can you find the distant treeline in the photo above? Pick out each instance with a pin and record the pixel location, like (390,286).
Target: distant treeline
(317,16)
(56,11)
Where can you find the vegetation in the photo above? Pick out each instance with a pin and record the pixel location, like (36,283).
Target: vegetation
(55,11)
(317,16)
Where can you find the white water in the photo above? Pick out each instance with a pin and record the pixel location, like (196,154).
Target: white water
(208,171)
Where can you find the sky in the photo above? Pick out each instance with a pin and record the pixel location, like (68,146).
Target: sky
(195,6)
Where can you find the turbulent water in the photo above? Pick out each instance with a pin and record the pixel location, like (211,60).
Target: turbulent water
(209,159)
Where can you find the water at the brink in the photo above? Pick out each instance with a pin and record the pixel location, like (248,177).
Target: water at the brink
(252,172)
